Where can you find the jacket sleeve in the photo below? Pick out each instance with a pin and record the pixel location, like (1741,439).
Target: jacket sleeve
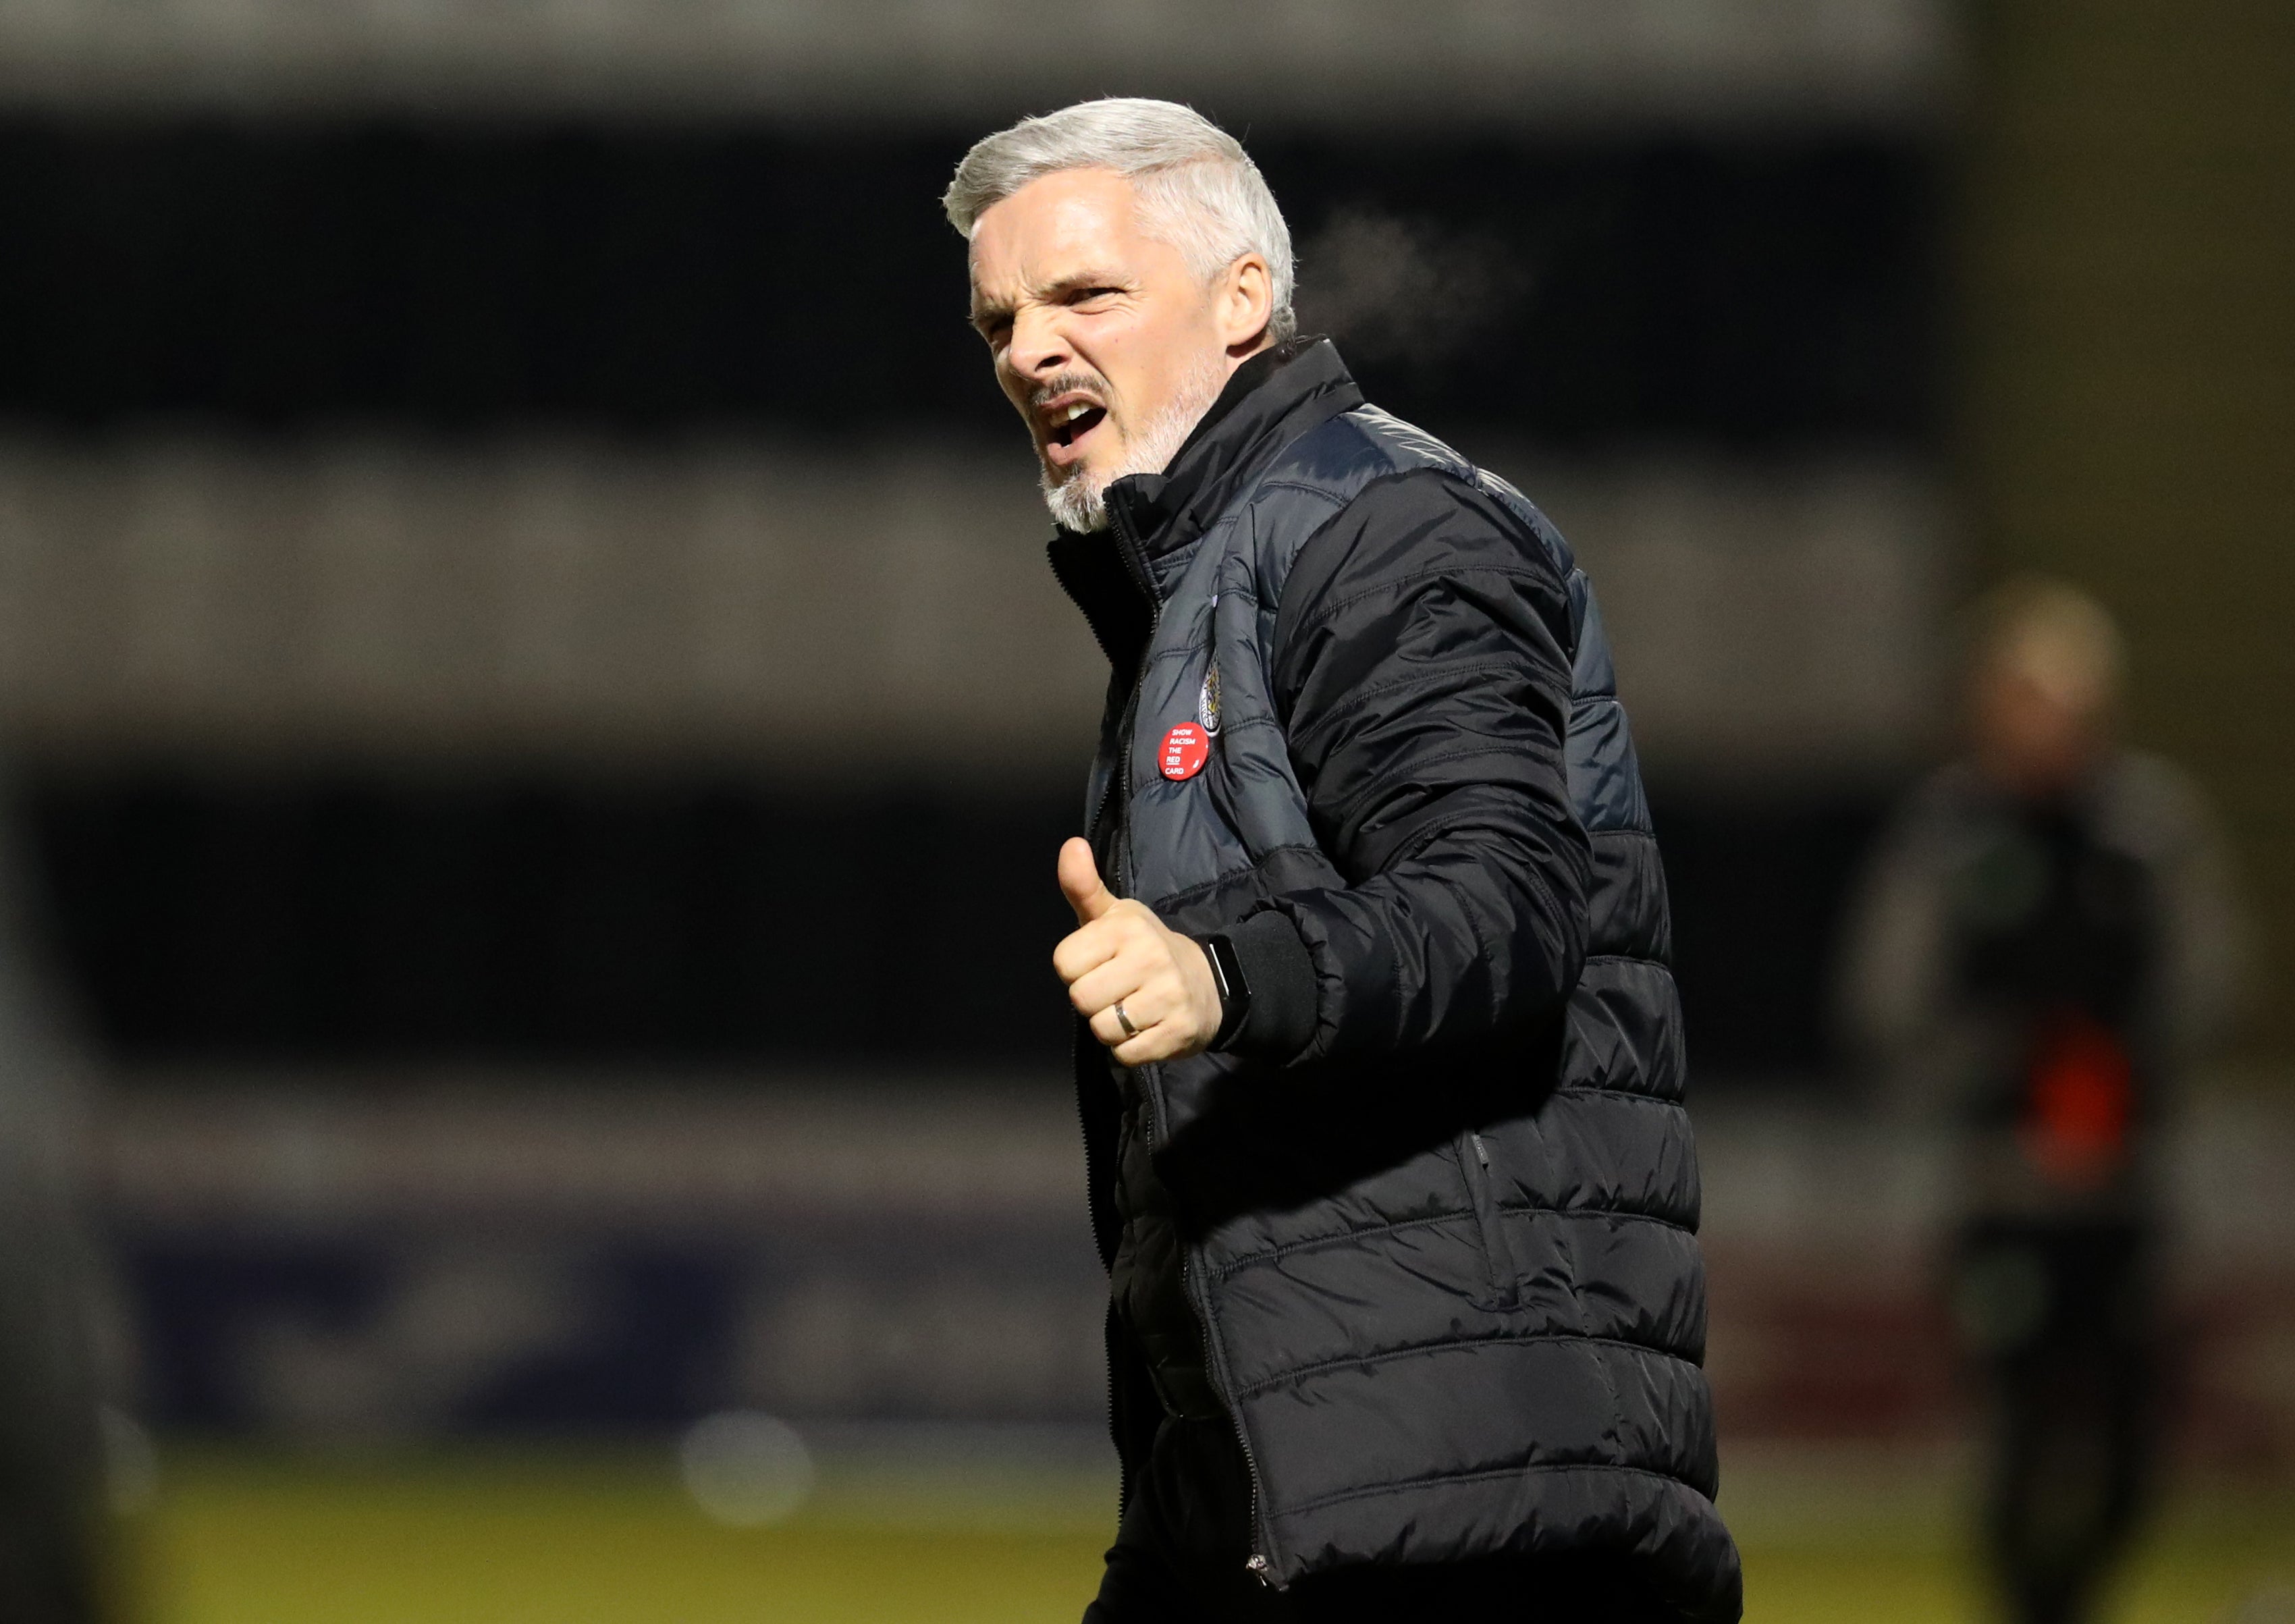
(1421,670)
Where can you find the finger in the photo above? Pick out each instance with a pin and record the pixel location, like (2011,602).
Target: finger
(1127,976)
(1107,1029)
(1145,1007)
(1126,929)
(1081,952)
(1161,1041)
(1111,1034)
(1081,883)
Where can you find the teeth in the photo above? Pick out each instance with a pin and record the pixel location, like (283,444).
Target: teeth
(1076,411)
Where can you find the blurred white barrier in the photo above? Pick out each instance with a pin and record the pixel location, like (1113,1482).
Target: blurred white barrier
(1532,60)
(815,610)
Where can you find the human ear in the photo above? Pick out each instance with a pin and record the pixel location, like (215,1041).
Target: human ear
(1246,299)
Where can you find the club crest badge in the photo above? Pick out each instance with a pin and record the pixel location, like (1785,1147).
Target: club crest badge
(1207,703)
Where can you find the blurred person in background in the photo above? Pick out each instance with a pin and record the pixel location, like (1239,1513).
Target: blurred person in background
(1380,1063)
(2045,941)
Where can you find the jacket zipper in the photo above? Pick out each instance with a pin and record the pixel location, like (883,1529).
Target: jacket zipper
(1107,1394)
(1135,565)
(1128,543)
(1119,783)
(1128,550)
(1255,1565)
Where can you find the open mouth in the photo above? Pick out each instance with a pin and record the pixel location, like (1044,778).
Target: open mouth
(1070,422)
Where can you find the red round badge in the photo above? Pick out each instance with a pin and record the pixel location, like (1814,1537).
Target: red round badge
(1185,749)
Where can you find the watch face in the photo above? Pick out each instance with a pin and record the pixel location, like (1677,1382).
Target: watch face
(1224,967)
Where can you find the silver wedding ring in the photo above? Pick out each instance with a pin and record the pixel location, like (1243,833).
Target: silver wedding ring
(1124,1021)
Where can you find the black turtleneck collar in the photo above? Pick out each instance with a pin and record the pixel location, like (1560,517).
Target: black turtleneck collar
(1270,401)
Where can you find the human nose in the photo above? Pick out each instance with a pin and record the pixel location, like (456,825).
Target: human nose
(1038,348)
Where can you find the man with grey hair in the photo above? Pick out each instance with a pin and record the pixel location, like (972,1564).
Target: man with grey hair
(1379,1062)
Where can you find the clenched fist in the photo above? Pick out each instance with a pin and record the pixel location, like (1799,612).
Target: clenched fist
(1121,954)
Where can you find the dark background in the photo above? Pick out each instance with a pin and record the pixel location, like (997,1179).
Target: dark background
(1744,292)
(713,919)
(1765,297)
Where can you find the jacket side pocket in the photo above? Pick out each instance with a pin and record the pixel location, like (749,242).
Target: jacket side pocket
(1475,1163)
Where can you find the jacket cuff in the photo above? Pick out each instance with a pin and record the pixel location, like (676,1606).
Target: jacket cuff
(1281,974)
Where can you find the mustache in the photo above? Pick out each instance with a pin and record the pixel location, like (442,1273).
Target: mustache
(1066,383)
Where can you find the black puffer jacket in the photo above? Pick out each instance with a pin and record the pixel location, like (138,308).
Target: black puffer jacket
(1423,1231)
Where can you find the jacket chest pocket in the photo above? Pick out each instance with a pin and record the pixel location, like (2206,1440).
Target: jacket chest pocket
(1505,1285)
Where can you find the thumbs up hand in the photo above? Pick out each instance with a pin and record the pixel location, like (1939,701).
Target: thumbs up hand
(1081,883)
(1146,990)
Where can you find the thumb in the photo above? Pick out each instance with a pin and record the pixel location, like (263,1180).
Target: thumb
(1080,880)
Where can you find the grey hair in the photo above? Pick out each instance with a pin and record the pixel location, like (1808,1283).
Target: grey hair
(1198,189)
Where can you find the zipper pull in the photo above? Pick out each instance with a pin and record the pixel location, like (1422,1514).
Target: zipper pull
(1482,1151)
(1258,1569)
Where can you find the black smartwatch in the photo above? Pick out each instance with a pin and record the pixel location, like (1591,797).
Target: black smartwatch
(1234,987)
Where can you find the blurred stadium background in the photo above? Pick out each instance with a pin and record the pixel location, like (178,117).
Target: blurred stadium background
(516,585)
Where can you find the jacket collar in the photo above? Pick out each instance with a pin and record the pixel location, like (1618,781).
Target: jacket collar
(1271,401)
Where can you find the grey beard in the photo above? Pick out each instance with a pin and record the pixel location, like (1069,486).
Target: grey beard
(1080,502)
